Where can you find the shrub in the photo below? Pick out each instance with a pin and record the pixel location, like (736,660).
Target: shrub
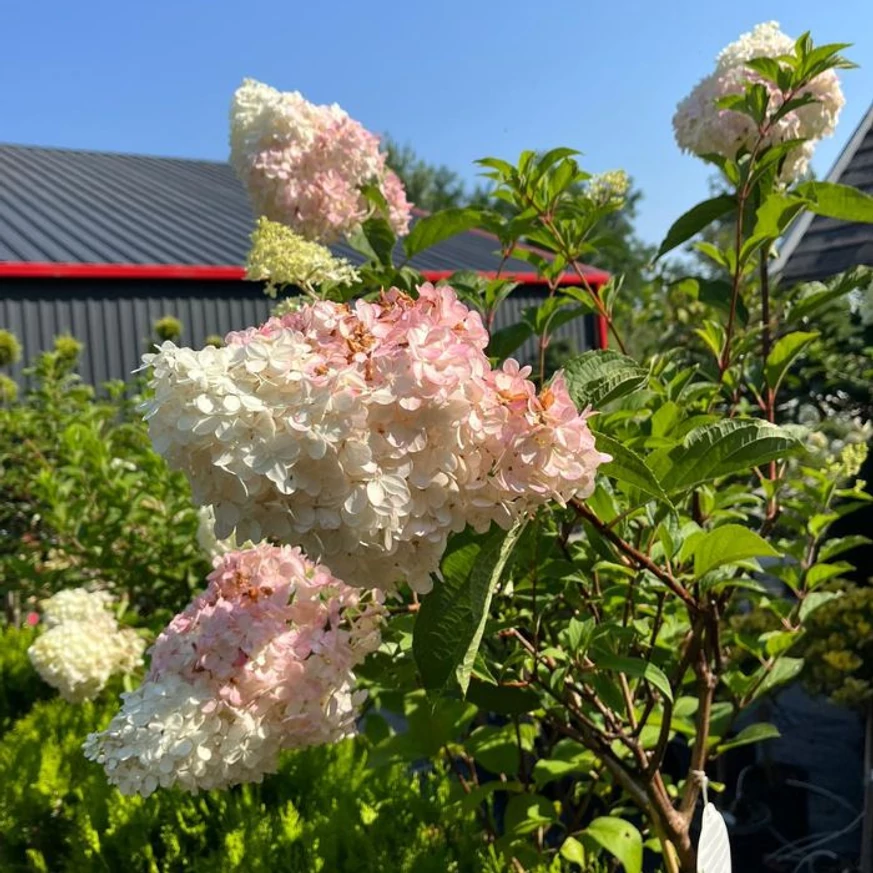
(326,809)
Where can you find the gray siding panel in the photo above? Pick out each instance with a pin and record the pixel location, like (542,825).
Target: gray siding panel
(114,318)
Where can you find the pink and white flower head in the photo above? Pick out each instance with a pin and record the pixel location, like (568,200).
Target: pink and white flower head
(367,434)
(304,165)
(262,661)
(702,128)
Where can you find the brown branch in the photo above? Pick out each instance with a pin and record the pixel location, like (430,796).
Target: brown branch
(642,560)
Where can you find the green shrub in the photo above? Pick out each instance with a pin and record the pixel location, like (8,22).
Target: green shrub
(20,685)
(326,810)
(85,499)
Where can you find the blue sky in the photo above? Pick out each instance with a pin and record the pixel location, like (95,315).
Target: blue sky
(456,80)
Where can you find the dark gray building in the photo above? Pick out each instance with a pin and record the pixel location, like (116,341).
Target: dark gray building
(101,245)
(819,247)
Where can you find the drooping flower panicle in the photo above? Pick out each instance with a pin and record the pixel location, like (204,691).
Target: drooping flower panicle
(262,661)
(83,645)
(306,165)
(367,434)
(702,128)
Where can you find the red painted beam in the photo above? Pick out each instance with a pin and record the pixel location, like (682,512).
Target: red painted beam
(212,273)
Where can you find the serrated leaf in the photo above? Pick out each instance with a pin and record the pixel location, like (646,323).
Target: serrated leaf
(440,226)
(719,449)
(695,220)
(627,466)
(597,377)
(621,839)
(783,354)
(451,621)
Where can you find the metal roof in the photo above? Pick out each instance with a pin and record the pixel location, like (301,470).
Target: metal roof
(72,208)
(819,247)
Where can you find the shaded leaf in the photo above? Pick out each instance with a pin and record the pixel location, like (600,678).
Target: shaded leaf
(442,225)
(451,621)
(695,220)
(597,377)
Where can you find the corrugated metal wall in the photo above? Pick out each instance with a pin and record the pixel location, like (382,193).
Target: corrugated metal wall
(114,318)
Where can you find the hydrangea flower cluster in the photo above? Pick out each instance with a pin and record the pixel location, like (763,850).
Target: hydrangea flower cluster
(609,188)
(280,257)
(702,128)
(367,434)
(260,662)
(83,645)
(305,165)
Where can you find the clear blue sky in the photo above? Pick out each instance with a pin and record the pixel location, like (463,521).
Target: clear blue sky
(456,80)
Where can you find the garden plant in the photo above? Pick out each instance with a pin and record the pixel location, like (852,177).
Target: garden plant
(534,585)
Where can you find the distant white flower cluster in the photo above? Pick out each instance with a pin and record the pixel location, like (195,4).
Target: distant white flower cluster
(609,188)
(702,128)
(367,435)
(83,645)
(262,661)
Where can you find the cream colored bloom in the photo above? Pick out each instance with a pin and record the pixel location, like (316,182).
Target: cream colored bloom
(281,257)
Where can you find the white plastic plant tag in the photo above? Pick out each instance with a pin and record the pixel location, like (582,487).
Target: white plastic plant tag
(714,848)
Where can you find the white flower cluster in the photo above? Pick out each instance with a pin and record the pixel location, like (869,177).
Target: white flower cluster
(366,435)
(83,645)
(260,662)
(702,128)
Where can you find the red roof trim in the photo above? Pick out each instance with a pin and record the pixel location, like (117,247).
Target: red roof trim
(211,273)
(38,270)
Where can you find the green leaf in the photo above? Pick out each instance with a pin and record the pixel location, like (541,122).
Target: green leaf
(526,813)
(753,733)
(695,220)
(621,839)
(440,226)
(375,240)
(502,699)
(627,466)
(815,295)
(783,354)
(597,377)
(572,851)
(719,449)
(727,544)
(496,748)
(813,601)
(451,621)
(505,341)
(784,670)
(842,202)
(636,667)
(775,214)
(838,545)
(567,757)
